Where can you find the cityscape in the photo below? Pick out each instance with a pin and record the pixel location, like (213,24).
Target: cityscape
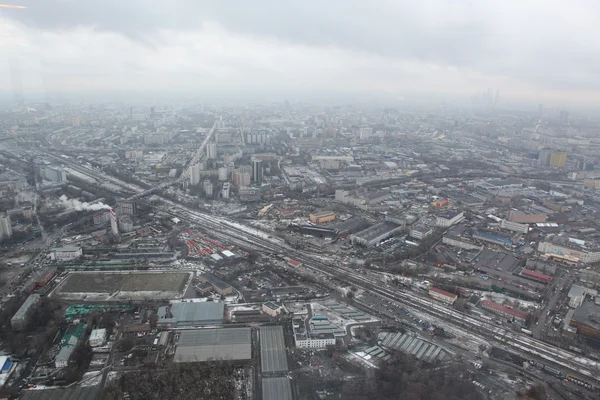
(309,247)
(299,200)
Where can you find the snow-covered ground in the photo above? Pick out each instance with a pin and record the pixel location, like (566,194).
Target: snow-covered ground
(91,379)
(501,297)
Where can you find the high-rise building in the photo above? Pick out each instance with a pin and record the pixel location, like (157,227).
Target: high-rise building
(5,227)
(257,171)
(540,110)
(225,191)
(365,133)
(207,186)
(114,227)
(195,174)
(211,151)
(223,174)
(563,117)
(558,159)
(544,156)
(497,98)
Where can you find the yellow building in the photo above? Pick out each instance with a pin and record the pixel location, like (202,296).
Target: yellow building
(322,217)
(558,159)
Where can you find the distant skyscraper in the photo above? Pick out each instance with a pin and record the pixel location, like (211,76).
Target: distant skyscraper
(540,110)
(5,227)
(497,98)
(114,227)
(558,159)
(211,151)
(544,156)
(563,117)
(195,174)
(257,171)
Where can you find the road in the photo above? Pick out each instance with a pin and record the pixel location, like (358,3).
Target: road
(556,291)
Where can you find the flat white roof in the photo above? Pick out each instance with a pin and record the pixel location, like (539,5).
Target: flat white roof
(216,257)
(228,253)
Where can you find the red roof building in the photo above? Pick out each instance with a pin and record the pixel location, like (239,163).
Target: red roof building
(442,295)
(537,276)
(518,315)
(294,263)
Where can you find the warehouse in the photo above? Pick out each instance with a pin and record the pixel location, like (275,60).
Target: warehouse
(273,357)
(322,217)
(191,314)
(221,287)
(97,337)
(538,276)
(21,318)
(277,388)
(375,233)
(198,345)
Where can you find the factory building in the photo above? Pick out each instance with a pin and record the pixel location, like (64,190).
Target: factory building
(65,254)
(449,218)
(460,242)
(442,295)
(322,217)
(586,319)
(221,287)
(511,313)
(375,233)
(525,218)
(569,251)
(97,337)
(514,226)
(180,314)
(127,207)
(125,224)
(249,194)
(21,318)
(420,232)
(199,345)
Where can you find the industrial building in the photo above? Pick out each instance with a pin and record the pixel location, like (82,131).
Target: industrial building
(460,242)
(376,233)
(442,295)
(21,318)
(249,194)
(322,217)
(420,232)
(525,217)
(273,357)
(493,238)
(272,309)
(276,388)
(221,287)
(449,218)
(65,254)
(514,226)
(97,337)
(190,314)
(586,319)
(409,344)
(511,313)
(569,250)
(127,207)
(538,276)
(198,345)
(577,295)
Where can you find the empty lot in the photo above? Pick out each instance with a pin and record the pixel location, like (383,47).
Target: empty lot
(116,286)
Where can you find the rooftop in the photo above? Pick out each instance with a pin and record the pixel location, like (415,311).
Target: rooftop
(213,344)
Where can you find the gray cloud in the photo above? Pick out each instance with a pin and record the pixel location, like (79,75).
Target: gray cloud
(551,44)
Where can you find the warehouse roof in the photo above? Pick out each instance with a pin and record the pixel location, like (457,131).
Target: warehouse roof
(276,388)
(272,349)
(213,344)
(204,312)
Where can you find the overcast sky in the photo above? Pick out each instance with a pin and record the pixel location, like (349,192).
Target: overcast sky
(544,51)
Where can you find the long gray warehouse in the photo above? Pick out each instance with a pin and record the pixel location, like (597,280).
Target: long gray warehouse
(276,388)
(191,314)
(376,233)
(197,345)
(273,357)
